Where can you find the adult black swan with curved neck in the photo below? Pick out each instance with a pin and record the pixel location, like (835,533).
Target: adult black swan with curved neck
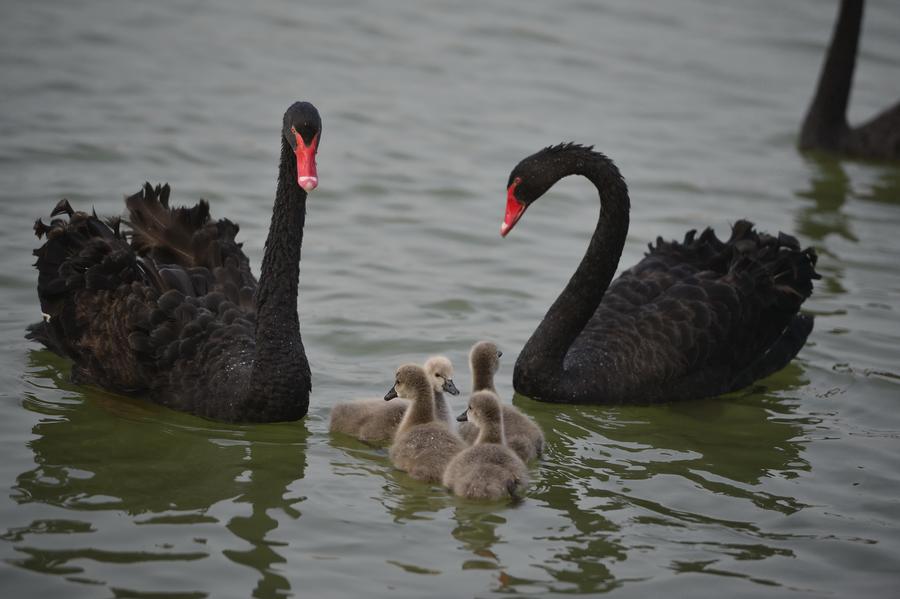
(825,127)
(690,320)
(168,308)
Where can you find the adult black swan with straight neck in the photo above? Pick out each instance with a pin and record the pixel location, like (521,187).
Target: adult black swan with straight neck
(690,320)
(168,307)
(826,127)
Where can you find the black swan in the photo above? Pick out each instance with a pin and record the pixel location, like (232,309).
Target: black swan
(825,127)
(690,320)
(176,315)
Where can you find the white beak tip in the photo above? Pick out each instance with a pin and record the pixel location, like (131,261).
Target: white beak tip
(308,183)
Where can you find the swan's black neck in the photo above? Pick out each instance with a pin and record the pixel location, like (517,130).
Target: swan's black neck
(826,122)
(539,367)
(280,377)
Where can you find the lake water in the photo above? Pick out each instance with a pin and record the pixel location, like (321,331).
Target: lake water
(788,488)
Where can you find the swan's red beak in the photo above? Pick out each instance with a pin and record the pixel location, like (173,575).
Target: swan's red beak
(514,210)
(306,163)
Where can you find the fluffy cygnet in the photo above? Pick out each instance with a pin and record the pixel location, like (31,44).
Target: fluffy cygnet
(422,446)
(488,469)
(376,421)
(523,435)
(440,372)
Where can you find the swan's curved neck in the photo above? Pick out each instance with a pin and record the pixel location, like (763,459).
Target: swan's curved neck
(826,120)
(541,362)
(421,409)
(441,409)
(491,432)
(279,350)
(482,379)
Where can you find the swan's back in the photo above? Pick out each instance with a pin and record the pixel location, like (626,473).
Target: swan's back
(424,450)
(206,250)
(376,420)
(705,316)
(486,471)
(369,420)
(878,138)
(523,435)
(132,324)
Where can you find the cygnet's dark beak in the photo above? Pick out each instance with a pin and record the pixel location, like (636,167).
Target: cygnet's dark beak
(499,354)
(462,417)
(390,394)
(450,387)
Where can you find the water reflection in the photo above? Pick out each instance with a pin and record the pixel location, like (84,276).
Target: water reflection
(686,439)
(476,529)
(628,466)
(404,498)
(617,469)
(887,189)
(829,188)
(89,446)
(824,211)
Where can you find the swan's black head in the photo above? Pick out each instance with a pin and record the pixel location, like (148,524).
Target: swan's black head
(303,130)
(534,175)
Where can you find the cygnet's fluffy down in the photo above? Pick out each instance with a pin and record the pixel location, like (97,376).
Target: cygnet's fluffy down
(523,435)
(376,421)
(488,469)
(422,446)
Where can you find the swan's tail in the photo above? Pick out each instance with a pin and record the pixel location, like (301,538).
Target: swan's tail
(40,332)
(774,276)
(777,263)
(81,253)
(774,269)
(122,317)
(767,279)
(780,354)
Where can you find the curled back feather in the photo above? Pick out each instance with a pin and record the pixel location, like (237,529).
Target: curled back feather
(206,252)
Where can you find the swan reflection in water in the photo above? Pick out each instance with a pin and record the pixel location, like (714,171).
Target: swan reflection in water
(848,208)
(199,479)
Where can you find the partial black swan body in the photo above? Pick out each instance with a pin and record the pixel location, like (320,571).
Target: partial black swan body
(825,127)
(690,320)
(167,307)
